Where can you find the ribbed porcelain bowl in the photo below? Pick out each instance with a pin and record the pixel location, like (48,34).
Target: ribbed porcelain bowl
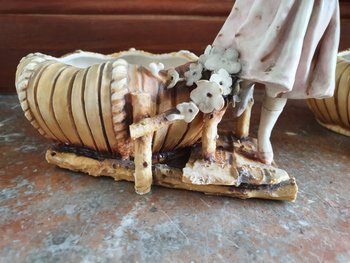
(334,113)
(83,98)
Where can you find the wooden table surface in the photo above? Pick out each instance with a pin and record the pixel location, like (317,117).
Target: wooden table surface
(53,215)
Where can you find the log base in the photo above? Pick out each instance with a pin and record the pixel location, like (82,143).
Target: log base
(235,172)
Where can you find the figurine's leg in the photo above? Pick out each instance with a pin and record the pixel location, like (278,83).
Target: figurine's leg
(210,134)
(271,110)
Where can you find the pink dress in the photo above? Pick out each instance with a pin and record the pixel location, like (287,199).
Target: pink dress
(289,45)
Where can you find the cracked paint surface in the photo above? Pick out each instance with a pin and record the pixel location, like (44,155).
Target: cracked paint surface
(53,215)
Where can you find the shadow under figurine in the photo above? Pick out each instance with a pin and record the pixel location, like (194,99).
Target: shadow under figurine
(140,117)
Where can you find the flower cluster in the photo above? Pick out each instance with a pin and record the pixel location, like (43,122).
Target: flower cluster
(216,58)
(221,63)
(214,74)
(223,79)
(193,74)
(174,77)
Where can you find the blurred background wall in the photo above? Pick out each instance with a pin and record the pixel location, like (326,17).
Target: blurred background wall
(61,26)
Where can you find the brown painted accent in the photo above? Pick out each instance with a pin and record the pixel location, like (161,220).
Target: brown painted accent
(44,95)
(280,36)
(61,104)
(183,136)
(51,108)
(80,117)
(161,88)
(100,112)
(320,105)
(106,107)
(70,106)
(173,95)
(348,101)
(328,112)
(91,98)
(164,103)
(33,103)
(335,97)
(344,80)
(317,111)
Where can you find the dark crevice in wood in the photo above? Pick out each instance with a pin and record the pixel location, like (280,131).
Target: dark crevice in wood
(52,110)
(69,102)
(84,108)
(42,122)
(100,113)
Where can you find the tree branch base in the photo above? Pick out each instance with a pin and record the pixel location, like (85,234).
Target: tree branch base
(235,172)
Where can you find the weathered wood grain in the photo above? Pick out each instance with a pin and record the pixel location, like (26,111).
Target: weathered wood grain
(58,27)
(58,34)
(178,7)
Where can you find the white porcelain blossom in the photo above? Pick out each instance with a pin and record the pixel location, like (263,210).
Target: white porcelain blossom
(208,96)
(193,74)
(223,79)
(215,58)
(187,112)
(231,53)
(203,58)
(174,78)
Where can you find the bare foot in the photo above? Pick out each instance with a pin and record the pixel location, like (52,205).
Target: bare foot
(265,157)
(265,151)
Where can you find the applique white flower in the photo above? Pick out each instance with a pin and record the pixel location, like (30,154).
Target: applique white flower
(173,77)
(193,74)
(231,53)
(208,96)
(207,50)
(222,58)
(187,112)
(203,58)
(217,50)
(223,79)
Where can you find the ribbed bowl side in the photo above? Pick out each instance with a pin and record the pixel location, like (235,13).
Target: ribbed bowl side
(177,135)
(91,107)
(68,104)
(334,112)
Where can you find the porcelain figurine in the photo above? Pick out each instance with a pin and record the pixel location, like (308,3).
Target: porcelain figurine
(153,119)
(130,114)
(289,46)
